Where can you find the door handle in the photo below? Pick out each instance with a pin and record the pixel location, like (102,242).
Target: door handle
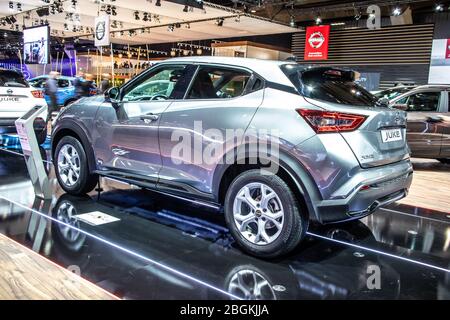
(147,118)
(434,119)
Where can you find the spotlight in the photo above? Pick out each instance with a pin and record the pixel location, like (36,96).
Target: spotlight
(199,51)
(188,25)
(173,53)
(439,8)
(19,7)
(11,6)
(136,16)
(186,8)
(397,11)
(171,28)
(292,22)
(318,20)
(219,22)
(158,3)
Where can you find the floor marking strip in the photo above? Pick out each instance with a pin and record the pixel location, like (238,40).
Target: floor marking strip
(379,252)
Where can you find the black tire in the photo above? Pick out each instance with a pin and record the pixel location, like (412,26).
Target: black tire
(444,161)
(41,136)
(295,218)
(86,181)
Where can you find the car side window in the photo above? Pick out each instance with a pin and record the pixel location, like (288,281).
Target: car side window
(39,83)
(424,102)
(218,83)
(62,83)
(158,85)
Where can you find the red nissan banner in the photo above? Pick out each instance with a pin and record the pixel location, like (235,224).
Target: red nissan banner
(447,51)
(316,44)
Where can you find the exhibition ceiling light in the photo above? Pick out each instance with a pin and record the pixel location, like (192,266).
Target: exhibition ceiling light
(439,7)
(318,20)
(397,11)
(68,20)
(292,21)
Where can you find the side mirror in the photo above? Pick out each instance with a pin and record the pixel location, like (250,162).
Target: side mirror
(384,102)
(400,106)
(112,94)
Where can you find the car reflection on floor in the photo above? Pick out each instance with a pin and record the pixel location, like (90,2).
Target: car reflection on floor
(180,249)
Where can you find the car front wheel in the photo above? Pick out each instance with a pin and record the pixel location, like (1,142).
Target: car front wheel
(71,167)
(264,215)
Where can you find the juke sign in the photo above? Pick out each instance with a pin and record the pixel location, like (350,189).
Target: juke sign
(316,44)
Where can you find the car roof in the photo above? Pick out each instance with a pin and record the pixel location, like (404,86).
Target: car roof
(434,86)
(60,77)
(269,69)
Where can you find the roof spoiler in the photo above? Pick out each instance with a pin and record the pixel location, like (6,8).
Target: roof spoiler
(329,73)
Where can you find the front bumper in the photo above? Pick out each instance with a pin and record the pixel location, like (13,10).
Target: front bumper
(371,189)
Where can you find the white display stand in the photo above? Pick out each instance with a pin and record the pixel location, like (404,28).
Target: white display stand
(31,152)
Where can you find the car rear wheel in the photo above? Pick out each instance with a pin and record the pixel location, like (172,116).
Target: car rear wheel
(264,215)
(71,167)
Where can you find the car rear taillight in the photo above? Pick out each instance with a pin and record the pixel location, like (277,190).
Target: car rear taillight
(38,94)
(93,92)
(327,121)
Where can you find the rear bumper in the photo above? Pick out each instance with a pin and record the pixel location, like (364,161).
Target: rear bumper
(379,187)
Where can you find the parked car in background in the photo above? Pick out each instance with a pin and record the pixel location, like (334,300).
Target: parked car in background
(428,131)
(336,156)
(394,92)
(66,89)
(17,97)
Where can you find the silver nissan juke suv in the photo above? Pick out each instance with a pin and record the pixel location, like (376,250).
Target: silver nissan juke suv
(275,144)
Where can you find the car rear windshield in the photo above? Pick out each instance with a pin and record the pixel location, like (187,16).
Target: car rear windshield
(328,84)
(12,79)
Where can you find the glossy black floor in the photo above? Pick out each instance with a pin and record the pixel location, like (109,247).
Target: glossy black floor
(162,248)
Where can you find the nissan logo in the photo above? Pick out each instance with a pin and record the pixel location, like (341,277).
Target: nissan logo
(9,91)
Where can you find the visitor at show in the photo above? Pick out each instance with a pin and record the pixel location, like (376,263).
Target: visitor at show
(105,84)
(51,89)
(78,84)
(87,85)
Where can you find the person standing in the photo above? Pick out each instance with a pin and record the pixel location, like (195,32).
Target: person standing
(105,84)
(78,84)
(51,90)
(87,85)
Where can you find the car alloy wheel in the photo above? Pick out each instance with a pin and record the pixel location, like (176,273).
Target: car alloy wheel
(69,165)
(258,213)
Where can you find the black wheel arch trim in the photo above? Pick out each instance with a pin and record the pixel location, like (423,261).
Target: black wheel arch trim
(297,172)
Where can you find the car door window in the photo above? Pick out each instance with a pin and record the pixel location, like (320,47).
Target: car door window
(218,83)
(38,83)
(158,85)
(424,102)
(62,83)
